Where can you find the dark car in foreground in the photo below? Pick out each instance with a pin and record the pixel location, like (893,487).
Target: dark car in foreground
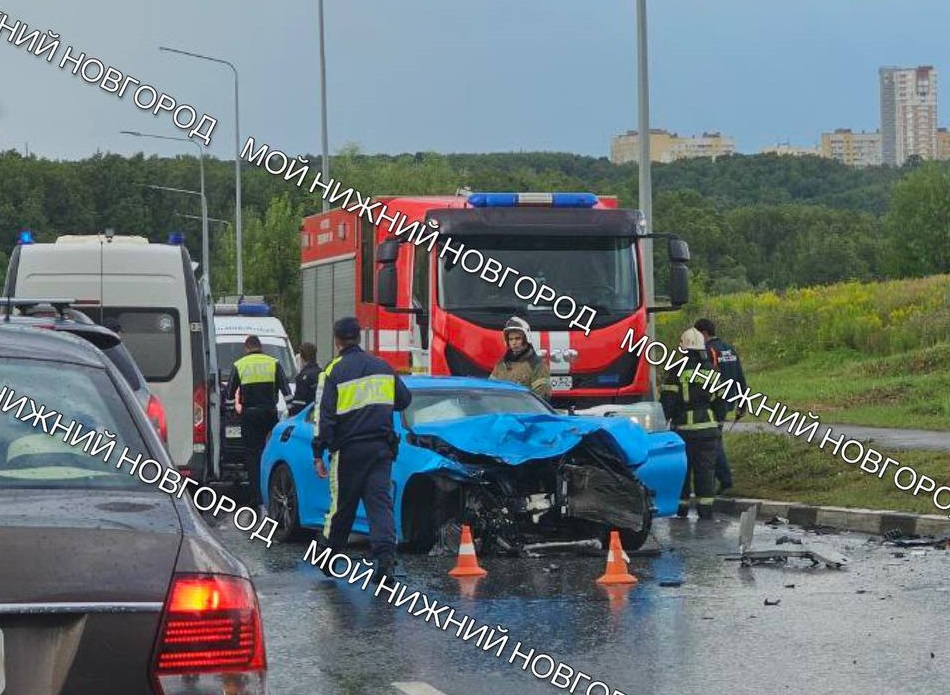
(108,585)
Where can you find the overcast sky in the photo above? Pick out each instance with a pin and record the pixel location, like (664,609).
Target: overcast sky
(448,76)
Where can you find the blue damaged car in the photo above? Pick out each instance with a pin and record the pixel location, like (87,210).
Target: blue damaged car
(492,455)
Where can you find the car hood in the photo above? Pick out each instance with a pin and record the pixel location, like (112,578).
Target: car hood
(86,545)
(516,439)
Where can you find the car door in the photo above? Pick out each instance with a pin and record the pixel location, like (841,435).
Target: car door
(313,492)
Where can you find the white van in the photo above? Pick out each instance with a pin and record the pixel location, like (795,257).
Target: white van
(235,318)
(164,314)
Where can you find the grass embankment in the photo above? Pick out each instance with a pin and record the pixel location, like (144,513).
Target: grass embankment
(778,467)
(873,354)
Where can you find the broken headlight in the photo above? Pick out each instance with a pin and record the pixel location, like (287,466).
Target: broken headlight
(648,414)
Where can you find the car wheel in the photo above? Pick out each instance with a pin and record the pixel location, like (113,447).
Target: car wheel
(631,539)
(282,504)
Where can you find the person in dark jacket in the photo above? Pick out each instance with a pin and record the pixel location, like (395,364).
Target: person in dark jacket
(259,377)
(305,385)
(723,358)
(694,413)
(353,412)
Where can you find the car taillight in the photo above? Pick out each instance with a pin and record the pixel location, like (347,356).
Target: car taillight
(198,436)
(211,640)
(156,413)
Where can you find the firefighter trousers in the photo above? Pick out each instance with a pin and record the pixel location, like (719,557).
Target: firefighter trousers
(256,424)
(700,474)
(362,471)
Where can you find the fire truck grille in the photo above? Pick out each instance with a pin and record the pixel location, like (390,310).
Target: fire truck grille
(618,373)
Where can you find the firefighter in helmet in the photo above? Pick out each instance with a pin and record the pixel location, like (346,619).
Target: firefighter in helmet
(695,414)
(520,363)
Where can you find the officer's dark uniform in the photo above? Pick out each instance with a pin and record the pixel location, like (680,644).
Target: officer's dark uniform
(305,387)
(356,396)
(726,360)
(695,414)
(259,377)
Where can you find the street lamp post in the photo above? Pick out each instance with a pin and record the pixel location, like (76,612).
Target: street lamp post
(237,162)
(205,244)
(324,161)
(643,169)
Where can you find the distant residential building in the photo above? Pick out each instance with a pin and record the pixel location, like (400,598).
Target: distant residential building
(854,149)
(668,147)
(943,144)
(908,113)
(791,150)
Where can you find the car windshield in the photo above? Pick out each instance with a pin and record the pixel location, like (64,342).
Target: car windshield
(600,272)
(228,353)
(33,458)
(436,405)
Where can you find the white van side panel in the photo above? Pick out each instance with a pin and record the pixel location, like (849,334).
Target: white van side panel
(135,276)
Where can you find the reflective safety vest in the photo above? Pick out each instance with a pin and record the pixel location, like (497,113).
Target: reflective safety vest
(257,374)
(361,391)
(691,408)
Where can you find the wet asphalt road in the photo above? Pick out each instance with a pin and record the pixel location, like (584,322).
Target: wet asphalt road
(695,623)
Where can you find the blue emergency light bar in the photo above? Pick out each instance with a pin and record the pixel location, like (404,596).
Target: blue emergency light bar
(25,237)
(242,309)
(554,200)
(176,238)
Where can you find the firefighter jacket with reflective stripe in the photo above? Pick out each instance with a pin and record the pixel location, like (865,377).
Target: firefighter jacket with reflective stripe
(726,361)
(259,377)
(356,396)
(527,369)
(693,411)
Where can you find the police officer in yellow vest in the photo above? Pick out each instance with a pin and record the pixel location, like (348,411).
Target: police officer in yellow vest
(695,413)
(356,396)
(259,377)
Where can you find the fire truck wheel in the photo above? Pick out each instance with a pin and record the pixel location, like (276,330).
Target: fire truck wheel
(282,504)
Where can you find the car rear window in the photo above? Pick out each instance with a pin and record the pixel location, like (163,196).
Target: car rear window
(32,458)
(122,359)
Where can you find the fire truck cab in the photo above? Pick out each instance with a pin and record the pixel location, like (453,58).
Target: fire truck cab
(425,313)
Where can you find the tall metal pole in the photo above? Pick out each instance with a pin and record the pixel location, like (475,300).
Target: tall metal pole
(643,167)
(238,235)
(237,163)
(205,251)
(323,103)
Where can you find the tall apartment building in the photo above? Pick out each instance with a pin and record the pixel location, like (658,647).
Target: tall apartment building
(667,147)
(854,149)
(908,113)
(943,144)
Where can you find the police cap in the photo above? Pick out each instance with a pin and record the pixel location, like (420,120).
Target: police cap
(347,328)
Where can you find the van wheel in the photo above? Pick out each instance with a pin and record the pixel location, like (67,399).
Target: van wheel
(282,504)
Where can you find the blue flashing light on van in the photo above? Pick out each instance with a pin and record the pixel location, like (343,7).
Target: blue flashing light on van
(556,200)
(176,238)
(25,237)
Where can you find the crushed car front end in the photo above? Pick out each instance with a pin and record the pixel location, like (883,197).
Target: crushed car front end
(534,482)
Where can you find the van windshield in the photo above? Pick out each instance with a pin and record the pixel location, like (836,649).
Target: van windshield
(228,353)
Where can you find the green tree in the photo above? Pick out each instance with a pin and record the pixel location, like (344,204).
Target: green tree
(917,223)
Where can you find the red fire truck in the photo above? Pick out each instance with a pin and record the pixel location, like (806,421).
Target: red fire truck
(424,313)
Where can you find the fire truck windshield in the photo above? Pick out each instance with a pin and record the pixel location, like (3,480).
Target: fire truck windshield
(599,272)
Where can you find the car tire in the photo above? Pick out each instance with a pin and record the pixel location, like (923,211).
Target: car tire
(631,539)
(283,505)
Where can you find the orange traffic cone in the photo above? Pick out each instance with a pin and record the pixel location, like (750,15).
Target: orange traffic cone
(467,565)
(616,572)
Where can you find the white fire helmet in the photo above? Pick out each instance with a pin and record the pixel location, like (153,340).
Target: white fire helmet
(518,324)
(692,340)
